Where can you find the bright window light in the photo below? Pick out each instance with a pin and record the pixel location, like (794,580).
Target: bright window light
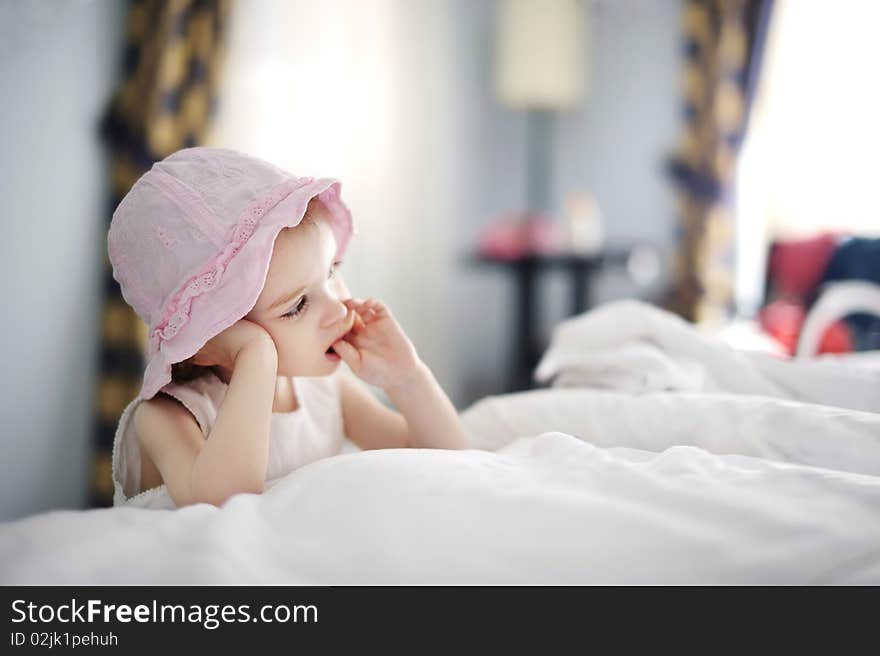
(810,160)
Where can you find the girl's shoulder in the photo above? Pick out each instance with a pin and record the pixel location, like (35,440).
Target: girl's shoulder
(201,396)
(167,437)
(182,409)
(156,416)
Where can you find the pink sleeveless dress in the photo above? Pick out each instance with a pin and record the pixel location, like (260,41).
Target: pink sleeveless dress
(311,432)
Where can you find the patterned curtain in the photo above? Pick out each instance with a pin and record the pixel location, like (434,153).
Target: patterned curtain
(723,43)
(163,103)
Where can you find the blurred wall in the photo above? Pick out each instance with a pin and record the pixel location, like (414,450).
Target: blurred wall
(58,61)
(428,157)
(364,92)
(613,145)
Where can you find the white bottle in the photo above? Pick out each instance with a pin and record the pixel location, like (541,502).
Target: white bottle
(584,221)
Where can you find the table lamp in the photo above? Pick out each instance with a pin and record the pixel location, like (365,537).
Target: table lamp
(540,69)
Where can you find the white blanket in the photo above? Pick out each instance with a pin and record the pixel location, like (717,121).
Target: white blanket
(634,347)
(658,488)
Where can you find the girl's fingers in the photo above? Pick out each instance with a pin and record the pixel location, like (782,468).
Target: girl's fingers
(356,308)
(352,304)
(378,308)
(348,353)
(375,307)
(368,310)
(358,322)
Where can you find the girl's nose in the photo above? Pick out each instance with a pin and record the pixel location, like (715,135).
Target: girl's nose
(335,313)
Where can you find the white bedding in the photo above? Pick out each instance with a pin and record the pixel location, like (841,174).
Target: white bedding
(634,347)
(564,486)
(547,509)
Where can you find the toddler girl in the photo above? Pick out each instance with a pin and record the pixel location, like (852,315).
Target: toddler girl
(233,264)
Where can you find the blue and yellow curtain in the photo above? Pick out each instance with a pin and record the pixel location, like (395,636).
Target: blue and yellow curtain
(723,43)
(165,98)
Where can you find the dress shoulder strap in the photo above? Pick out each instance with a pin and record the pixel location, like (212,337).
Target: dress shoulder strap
(201,396)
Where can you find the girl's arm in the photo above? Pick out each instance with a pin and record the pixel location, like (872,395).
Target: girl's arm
(430,415)
(379,352)
(429,418)
(233,458)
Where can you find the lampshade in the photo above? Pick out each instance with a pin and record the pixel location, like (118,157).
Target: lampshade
(540,53)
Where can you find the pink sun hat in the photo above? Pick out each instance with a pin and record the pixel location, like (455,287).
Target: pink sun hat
(191,242)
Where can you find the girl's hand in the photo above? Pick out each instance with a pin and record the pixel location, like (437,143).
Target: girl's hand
(376,349)
(222,349)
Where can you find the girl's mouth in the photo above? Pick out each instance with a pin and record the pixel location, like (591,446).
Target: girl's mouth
(332,355)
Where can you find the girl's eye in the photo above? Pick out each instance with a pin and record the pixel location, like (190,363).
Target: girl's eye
(304,301)
(298,309)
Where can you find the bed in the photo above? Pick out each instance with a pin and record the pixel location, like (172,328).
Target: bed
(653,455)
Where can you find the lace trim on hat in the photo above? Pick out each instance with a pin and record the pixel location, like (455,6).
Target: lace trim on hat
(176,313)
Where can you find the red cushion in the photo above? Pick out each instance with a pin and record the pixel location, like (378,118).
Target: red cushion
(783,320)
(796,267)
(837,339)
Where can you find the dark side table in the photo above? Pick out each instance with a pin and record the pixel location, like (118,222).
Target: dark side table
(526,270)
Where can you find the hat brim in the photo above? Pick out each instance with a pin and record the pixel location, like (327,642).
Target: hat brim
(241,283)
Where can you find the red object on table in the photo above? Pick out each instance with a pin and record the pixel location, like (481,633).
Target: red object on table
(517,235)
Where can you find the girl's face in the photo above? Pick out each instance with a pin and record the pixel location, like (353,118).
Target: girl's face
(301,303)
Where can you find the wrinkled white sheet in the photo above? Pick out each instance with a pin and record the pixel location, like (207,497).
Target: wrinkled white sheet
(658,488)
(634,347)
